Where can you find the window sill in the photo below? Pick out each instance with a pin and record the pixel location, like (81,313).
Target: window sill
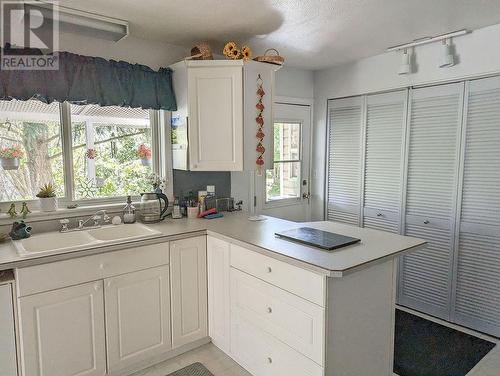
(38,216)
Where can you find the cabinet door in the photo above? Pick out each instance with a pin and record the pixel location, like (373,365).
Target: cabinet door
(137,316)
(215,96)
(7,337)
(62,332)
(218,292)
(344,163)
(385,125)
(477,294)
(188,268)
(432,177)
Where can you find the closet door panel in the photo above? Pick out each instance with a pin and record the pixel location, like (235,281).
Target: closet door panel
(385,123)
(477,295)
(344,163)
(435,119)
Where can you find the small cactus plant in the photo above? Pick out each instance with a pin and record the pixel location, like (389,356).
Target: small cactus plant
(46,191)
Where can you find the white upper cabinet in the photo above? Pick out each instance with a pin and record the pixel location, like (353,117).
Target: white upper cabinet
(218,292)
(432,175)
(188,268)
(346,118)
(137,316)
(209,120)
(62,332)
(385,128)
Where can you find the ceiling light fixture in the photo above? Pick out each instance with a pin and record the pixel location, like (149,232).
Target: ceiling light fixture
(428,40)
(405,66)
(447,58)
(80,22)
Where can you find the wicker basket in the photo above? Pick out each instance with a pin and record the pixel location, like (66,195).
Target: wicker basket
(271,58)
(201,51)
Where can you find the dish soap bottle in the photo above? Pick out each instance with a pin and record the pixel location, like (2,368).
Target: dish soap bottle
(129,211)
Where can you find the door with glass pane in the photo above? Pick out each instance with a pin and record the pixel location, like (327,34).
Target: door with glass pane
(284,190)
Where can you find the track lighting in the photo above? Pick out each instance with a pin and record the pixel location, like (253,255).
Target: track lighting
(447,58)
(405,63)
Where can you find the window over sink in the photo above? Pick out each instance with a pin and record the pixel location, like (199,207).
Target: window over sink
(87,152)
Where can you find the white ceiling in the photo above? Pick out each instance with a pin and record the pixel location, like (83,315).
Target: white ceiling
(310,34)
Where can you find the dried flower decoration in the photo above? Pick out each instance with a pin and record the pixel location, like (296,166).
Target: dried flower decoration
(246,53)
(228,49)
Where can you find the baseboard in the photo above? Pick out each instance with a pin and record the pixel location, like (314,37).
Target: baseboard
(161,358)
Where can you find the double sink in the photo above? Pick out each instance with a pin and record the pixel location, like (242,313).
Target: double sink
(60,242)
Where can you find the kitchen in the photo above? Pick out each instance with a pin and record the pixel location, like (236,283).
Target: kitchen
(177,207)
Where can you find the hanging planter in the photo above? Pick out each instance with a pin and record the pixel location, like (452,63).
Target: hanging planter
(10,157)
(144,154)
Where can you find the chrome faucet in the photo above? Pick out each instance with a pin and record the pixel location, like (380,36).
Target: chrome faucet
(96,217)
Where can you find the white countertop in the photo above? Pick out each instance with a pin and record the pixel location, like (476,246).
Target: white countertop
(375,246)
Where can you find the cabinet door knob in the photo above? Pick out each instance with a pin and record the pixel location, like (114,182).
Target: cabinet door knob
(269,310)
(380,215)
(97,286)
(102,266)
(269,360)
(108,284)
(269,269)
(426,222)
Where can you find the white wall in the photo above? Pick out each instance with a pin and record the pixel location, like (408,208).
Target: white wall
(130,49)
(478,54)
(294,82)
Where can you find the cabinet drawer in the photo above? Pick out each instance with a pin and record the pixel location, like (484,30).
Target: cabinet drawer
(51,276)
(298,281)
(293,320)
(263,355)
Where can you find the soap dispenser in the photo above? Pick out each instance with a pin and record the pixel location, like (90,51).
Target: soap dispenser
(129,211)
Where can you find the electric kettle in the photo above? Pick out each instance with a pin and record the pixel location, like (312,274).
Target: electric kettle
(151,209)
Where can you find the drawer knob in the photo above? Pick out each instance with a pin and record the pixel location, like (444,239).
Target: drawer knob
(269,360)
(102,266)
(426,222)
(269,310)
(269,269)
(380,215)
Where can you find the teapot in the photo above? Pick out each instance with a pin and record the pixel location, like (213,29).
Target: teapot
(151,209)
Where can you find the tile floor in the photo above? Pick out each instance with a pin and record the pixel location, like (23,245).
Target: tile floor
(210,356)
(221,365)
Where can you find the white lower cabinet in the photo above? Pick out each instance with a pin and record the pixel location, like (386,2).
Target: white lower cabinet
(137,316)
(263,355)
(62,332)
(219,306)
(8,359)
(188,268)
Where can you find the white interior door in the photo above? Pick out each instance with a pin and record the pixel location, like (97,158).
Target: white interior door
(284,191)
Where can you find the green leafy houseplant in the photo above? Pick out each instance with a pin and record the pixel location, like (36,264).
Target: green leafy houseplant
(48,199)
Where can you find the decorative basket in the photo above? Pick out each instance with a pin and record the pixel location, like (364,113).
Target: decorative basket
(201,51)
(270,58)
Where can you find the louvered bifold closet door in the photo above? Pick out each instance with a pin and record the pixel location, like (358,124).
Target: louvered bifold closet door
(435,119)
(344,159)
(385,125)
(477,295)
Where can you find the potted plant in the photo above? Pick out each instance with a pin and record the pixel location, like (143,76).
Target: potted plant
(10,156)
(144,154)
(48,199)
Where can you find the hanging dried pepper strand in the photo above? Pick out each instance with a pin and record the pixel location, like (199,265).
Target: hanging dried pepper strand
(260,125)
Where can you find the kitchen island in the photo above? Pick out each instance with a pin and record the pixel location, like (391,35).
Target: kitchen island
(275,306)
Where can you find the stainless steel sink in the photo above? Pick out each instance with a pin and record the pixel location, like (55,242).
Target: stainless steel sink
(73,241)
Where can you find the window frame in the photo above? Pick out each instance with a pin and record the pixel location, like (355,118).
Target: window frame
(279,202)
(159,146)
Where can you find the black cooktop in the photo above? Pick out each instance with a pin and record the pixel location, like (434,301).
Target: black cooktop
(317,238)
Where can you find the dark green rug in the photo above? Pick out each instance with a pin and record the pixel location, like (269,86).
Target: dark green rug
(425,348)
(195,369)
